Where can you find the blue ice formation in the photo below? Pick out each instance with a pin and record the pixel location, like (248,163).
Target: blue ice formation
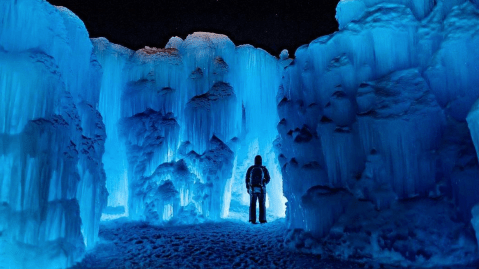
(168,132)
(387,104)
(370,133)
(187,103)
(52,181)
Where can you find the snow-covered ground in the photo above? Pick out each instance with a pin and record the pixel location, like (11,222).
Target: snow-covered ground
(227,244)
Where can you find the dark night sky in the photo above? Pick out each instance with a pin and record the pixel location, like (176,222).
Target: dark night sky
(271,25)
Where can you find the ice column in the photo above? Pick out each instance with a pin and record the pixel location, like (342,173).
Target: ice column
(52,183)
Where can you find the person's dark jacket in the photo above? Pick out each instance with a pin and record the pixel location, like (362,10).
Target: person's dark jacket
(267,178)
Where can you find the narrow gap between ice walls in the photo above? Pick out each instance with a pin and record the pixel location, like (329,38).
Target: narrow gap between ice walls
(183,125)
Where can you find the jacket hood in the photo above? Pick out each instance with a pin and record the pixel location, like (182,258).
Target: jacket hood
(258,160)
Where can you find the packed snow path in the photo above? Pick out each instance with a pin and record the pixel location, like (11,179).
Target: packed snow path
(229,244)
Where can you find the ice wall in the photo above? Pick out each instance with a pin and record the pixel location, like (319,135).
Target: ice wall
(199,106)
(113,59)
(353,10)
(378,110)
(52,182)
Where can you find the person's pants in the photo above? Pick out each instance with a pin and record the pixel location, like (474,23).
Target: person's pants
(262,207)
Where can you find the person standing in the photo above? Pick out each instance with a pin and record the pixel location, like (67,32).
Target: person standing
(257,177)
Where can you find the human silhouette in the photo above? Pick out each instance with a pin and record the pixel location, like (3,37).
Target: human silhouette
(257,177)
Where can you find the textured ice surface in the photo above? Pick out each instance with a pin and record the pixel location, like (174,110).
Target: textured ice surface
(401,120)
(113,58)
(475,220)
(210,245)
(220,109)
(378,109)
(421,233)
(351,10)
(52,182)
(452,73)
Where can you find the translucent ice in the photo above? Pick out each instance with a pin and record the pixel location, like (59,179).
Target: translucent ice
(378,109)
(211,89)
(52,182)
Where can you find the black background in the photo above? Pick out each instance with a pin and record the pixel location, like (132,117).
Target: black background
(270,25)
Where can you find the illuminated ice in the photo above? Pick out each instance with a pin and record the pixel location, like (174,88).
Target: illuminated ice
(371,133)
(52,182)
(378,110)
(200,84)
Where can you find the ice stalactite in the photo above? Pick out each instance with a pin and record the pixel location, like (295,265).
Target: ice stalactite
(211,113)
(149,138)
(113,59)
(217,93)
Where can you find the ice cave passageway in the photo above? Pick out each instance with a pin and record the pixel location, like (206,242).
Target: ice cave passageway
(374,131)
